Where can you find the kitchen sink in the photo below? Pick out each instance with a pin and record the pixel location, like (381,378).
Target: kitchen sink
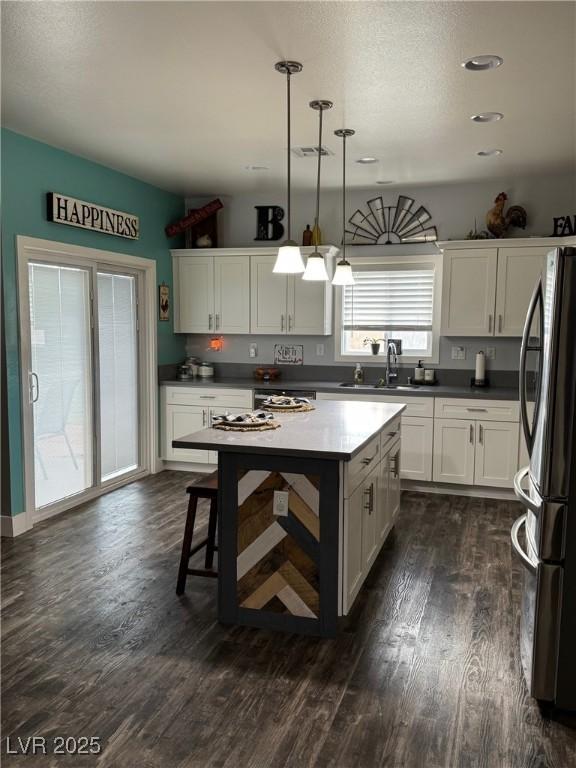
(351,385)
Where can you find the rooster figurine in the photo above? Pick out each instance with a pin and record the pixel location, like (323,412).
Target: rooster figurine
(499,222)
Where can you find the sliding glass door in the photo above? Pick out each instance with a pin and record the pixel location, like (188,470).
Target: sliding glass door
(61,381)
(84,379)
(118,357)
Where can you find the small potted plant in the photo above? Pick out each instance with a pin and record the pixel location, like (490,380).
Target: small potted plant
(374,343)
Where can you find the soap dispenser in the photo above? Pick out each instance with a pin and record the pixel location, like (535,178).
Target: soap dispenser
(419,373)
(358,374)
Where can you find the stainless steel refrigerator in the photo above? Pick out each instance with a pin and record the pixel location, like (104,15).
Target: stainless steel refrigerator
(544,538)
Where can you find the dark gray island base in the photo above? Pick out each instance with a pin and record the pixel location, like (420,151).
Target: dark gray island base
(302,513)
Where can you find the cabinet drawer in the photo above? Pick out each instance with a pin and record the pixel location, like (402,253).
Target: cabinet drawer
(486,410)
(389,434)
(363,463)
(209,396)
(415,406)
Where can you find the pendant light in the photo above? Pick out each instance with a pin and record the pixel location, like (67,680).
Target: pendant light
(343,274)
(315,266)
(289,259)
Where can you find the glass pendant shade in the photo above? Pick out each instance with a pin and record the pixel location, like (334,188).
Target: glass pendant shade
(289,260)
(315,268)
(343,274)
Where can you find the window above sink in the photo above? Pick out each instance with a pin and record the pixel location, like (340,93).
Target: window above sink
(394,298)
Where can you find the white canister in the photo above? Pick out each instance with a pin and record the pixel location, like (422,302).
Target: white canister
(205,370)
(429,375)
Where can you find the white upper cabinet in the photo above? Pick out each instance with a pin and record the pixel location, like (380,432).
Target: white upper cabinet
(487,284)
(309,307)
(193,294)
(211,293)
(268,310)
(469,288)
(518,272)
(232,294)
(286,304)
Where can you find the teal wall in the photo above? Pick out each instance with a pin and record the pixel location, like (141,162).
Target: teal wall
(30,169)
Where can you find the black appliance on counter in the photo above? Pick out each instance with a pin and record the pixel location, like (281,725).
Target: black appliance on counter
(547,487)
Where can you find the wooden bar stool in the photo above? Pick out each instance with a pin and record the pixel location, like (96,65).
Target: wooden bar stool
(207,488)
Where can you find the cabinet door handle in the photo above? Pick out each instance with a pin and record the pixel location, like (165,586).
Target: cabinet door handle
(396,460)
(209,322)
(499,323)
(480,433)
(367,499)
(217,321)
(489,323)
(204,417)
(371,498)
(368,460)
(289,322)
(477,410)
(472,433)
(207,397)
(281,322)
(391,434)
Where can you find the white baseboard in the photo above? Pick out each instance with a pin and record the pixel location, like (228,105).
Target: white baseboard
(460,490)
(13,526)
(188,466)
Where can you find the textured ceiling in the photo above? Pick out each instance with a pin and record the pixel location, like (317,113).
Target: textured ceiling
(185,95)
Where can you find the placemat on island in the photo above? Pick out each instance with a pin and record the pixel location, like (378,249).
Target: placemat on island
(231,427)
(253,421)
(289,408)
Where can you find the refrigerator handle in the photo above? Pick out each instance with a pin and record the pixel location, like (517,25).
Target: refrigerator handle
(526,562)
(535,301)
(521,494)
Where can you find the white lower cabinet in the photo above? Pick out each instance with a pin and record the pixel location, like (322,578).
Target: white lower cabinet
(185,410)
(369,514)
(475,452)
(454,451)
(416,454)
(182,420)
(496,459)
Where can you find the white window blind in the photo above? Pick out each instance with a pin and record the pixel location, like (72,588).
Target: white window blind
(395,297)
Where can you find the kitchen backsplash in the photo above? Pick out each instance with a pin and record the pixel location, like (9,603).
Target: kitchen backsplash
(236,350)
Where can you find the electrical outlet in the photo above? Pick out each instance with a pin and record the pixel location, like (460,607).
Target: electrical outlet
(458,353)
(280,505)
(319,350)
(490,353)
(253,350)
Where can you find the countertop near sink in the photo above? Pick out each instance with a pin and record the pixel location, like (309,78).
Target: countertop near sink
(437,390)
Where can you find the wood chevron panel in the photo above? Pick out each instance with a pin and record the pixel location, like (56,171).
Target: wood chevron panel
(273,569)
(303,512)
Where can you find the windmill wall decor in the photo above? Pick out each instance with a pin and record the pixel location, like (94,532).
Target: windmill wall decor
(388,224)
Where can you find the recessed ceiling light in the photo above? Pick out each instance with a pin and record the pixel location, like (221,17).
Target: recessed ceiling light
(487,117)
(489,152)
(367,160)
(481,63)
(385,182)
(256,168)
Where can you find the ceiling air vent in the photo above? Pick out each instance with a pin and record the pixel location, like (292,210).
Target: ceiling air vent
(311,151)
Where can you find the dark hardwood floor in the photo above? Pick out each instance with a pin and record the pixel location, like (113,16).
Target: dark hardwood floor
(427,674)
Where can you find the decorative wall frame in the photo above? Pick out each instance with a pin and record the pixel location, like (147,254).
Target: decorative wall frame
(389,224)
(163,302)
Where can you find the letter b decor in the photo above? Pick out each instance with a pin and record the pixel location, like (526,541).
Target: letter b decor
(268,218)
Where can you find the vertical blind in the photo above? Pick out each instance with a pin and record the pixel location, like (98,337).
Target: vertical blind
(396,297)
(118,373)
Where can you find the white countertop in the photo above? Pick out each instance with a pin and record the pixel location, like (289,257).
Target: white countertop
(335,430)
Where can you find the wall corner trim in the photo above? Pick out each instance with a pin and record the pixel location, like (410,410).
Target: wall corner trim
(13,526)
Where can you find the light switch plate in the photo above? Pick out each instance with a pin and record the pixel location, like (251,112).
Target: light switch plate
(319,350)
(458,353)
(280,506)
(253,350)
(490,353)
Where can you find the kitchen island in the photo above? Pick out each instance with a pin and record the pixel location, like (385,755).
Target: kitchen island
(303,511)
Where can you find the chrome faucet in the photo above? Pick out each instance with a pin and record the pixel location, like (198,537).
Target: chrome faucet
(391,362)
